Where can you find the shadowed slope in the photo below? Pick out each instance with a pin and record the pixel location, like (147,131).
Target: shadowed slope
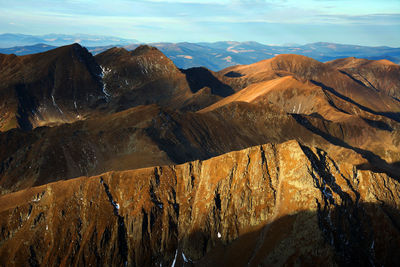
(147,76)
(67,84)
(199,78)
(57,86)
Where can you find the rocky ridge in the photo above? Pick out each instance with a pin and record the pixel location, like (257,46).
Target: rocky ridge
(278,204)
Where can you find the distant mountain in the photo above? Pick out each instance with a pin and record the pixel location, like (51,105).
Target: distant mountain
(27,50)
(220,55)
(10,40)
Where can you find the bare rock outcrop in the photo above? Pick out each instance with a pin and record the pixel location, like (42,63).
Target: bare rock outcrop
(272,204)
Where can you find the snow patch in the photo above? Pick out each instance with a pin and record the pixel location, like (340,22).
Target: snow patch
(105,90)
(55,104)
(115,204)
(184,258)
(176,254)
(104,72)
(37,198)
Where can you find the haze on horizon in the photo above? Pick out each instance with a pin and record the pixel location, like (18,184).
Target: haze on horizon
(362,22)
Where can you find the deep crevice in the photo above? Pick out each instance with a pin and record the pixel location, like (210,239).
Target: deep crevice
(342,225)
(122,233)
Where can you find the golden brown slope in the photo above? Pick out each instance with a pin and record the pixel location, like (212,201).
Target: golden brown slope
(380,75)
(290,95)
(330,79)
(271,205)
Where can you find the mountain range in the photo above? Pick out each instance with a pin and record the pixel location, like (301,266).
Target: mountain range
(125,159)
(16,39)
(214,56)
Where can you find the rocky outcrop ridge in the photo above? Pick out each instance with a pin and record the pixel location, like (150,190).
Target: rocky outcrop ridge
(272,204)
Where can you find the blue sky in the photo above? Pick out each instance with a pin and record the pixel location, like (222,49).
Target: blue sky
(365,22)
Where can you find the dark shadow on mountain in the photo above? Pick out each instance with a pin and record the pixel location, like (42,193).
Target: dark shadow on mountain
(370,167)
(233,74)
(357,81)
(346,234)
(315,115)
(200,77)
(175,143)
(26,105)
(377,164)
(330,101)
(392,115)
(378,124)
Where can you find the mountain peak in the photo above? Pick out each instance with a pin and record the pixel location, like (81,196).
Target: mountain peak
(144,49)
(115,52)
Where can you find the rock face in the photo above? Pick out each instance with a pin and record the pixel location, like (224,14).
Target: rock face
(269,205)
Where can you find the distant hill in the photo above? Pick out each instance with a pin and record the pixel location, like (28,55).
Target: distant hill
(27,50)
(217,56)
(11,39)
(220,55)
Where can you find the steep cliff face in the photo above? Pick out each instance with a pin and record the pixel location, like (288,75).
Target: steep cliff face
(272,204)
